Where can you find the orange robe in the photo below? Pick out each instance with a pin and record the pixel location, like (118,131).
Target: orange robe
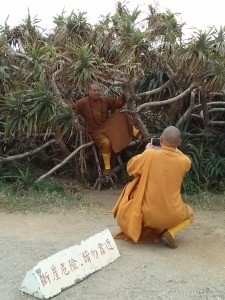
(151,202)
(117,127)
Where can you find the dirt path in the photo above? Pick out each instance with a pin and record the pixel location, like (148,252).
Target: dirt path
(195,270)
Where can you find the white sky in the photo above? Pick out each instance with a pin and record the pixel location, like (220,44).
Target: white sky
(195,13)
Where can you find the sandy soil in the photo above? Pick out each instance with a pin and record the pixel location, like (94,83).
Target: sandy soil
(195,270)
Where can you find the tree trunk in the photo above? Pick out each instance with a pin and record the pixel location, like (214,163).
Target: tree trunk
(205,112)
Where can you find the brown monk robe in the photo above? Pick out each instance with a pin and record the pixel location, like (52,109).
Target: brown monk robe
(150,207)
(112,133)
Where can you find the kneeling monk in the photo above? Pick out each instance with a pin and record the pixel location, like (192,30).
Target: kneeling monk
(150,207)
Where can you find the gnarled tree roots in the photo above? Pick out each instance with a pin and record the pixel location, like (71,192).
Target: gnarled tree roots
(104,180)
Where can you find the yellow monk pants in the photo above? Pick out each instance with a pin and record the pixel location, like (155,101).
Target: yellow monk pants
(183,224)
(106,150)
(135,131)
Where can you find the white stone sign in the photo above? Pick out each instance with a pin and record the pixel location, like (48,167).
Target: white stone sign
(64,269)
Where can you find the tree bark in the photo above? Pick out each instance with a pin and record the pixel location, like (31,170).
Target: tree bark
(68,158)
(205,112)
(19,156)
(188,112)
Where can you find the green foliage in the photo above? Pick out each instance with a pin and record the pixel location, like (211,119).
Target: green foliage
(156,122)
(42,200)
(189,187)
(84,68)
(28,23)
(208,165)
(60,20)
(67,122)
(4,74)
(4,30)
(48,186)
(124,177)
(30,111)
(73,22)
(20,175)
(151,81)
(20,192)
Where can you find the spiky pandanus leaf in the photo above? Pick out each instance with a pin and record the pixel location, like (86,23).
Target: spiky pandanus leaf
(29,113)
(68,123)
(85,68)
(71,28)
(214,77)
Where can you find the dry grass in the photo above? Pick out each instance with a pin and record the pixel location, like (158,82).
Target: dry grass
(20,200)
(206,201)
(36,201)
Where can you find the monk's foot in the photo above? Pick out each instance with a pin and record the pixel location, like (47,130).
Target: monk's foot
(107,179)
(109,176)
(169,240)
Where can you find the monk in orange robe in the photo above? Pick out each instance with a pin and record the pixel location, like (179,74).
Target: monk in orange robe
(150,207)
(110,133)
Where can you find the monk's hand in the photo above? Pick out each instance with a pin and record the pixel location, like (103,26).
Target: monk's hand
(149,146)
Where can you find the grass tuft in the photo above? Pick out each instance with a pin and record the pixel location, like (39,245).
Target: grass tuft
(206,201)
(14,200)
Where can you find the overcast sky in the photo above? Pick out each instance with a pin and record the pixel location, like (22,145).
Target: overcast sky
(195,13)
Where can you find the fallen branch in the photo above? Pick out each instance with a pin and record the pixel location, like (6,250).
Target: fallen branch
(64,161)
(19,156)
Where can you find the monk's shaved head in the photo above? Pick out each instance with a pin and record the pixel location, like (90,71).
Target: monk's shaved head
(93,85)
(171,136)
(94,90)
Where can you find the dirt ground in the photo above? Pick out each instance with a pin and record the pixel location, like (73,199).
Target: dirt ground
(195,270)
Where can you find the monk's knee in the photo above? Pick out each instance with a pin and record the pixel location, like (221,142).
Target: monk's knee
(105,146)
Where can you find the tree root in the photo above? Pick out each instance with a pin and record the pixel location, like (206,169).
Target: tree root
(105,180)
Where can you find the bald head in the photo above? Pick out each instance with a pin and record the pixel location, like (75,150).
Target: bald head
(94,91)
(171,137)
(93,85)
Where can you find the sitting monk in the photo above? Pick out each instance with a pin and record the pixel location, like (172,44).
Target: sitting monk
(110,133)
(150,207)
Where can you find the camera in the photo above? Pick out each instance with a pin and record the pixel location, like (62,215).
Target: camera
(155,142)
